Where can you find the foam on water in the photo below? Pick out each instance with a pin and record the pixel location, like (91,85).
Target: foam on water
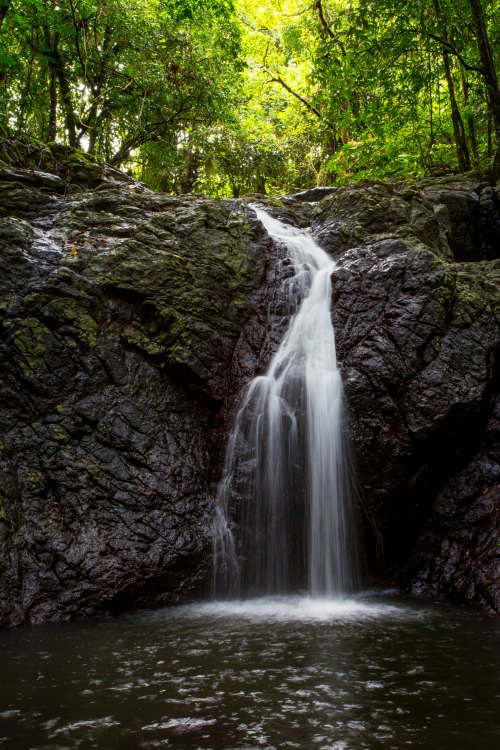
(297,609)
(187,723)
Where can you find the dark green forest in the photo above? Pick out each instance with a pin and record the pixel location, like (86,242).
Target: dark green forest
(228,97)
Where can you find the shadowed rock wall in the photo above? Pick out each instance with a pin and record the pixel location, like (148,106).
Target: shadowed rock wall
(418,338)
(129,322)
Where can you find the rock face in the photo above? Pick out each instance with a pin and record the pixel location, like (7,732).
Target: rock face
(131,321)
(418,336)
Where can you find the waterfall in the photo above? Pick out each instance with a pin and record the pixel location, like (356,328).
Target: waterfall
(286,481)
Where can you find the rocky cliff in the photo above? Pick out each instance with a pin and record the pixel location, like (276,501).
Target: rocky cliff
(416,309)
(130,322)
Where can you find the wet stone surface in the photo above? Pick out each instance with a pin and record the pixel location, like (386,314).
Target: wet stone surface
(131,322)
(418,338)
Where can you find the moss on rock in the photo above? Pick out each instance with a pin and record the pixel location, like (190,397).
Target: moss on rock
(71,312)
(32,342)
(478,291)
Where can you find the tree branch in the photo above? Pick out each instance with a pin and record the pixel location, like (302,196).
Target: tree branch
(277,79)
(449,47)
(319,7)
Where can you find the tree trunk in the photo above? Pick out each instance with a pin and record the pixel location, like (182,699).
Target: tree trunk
(471,125)
(260,185)
(464,163)
(462,149)
(489,73)
(57,73)
(189,172)
(69,113)
(431,104)
(4,7)
(52,129)
(489,151)
(26,93)
(90,124)
(127,145)
(95,119)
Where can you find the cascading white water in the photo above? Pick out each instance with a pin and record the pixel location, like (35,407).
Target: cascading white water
(286,474)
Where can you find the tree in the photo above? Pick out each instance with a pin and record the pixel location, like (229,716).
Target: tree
(488,72)
(113,76)
(456,118)
(243,96)
(4,7)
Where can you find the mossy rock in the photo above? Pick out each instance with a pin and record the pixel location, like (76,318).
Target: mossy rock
(69,312)
(18,231)
(478,291)
(67,154)
(33,159)
(58,434)
(25,152)
(32,342)
(367,209)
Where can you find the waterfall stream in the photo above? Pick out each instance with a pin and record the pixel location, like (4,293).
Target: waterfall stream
(286,480)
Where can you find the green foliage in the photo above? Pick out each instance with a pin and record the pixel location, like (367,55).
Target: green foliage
(116,75)
(187,10)
(237,96)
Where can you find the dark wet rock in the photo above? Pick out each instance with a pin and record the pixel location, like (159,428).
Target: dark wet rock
(130,323)
(286,208)
(380,210)
(456,217)
(458,553)
(418,339)
(35,178)
(313,194)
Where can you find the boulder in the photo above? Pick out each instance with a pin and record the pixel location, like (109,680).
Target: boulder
(129,323)
(418,336)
